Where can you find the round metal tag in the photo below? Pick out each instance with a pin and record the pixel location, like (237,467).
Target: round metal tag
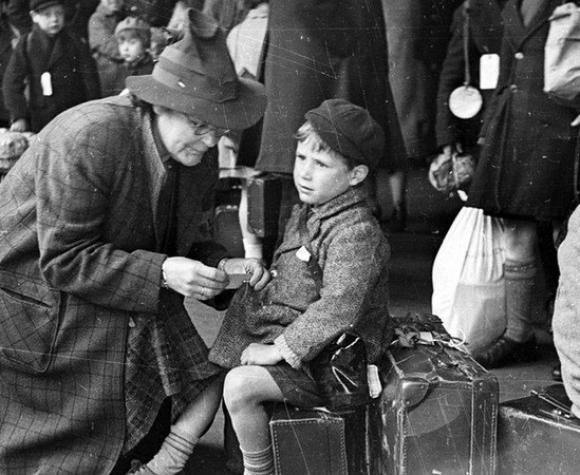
(465,102)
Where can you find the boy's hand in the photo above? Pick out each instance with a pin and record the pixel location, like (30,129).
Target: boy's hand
(255,273)
(19,125)
(260,354)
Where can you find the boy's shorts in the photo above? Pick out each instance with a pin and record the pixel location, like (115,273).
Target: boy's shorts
(297,385)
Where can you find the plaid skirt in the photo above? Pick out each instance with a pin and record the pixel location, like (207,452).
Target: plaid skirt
(165,357)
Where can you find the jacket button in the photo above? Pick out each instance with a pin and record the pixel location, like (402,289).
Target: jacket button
(513,88)
(519,55)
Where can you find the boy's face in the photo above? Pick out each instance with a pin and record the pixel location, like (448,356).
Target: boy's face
(320,176)
(131,48)
(50,19)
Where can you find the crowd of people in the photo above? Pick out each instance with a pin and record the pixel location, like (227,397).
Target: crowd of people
(106,219)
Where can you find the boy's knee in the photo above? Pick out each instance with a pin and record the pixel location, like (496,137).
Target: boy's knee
(237,391)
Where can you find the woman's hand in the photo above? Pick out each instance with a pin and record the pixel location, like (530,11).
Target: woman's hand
(260,354)
(192,278)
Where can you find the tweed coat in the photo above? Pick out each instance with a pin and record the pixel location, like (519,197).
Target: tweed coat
(319,49)
(349,251)
(73,75)
(566,320)
(484,33)
(526,165)
(78,262)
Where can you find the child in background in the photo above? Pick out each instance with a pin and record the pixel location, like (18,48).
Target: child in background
(57,66)
(329,275)
(103,43)
(134,39)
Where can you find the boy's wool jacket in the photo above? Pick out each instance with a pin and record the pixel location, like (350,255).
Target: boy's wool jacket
(80,261)
(72,71)
(347,246)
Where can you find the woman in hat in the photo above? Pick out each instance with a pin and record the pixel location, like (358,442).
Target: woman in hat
(105,228)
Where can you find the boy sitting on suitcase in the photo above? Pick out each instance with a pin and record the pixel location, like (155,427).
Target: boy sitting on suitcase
(328,275)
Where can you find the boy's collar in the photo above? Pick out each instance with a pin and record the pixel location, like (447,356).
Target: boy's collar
(345,200)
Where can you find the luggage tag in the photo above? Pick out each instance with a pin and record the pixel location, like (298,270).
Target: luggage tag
(465,102)
(237,280)
(488,71)
(375,387)
(46,84)
(303,254)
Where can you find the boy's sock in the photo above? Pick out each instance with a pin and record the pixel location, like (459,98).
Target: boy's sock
(173,454)
(520,279)
(259,463)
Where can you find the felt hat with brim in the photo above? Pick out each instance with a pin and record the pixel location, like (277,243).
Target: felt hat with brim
(349,130)
(196,76)
(37,5)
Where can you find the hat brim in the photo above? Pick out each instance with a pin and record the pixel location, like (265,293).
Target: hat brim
(238,114)
(44,5)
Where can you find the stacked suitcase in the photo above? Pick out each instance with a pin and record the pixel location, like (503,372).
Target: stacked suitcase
(538,435)
(437,414)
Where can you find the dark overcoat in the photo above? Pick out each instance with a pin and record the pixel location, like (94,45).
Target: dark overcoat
(72,70)
(79,263)
(484,30)
(319,49)
(527,162)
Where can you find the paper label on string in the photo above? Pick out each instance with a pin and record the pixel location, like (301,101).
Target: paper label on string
(46,84)
(488,71)
(303,254)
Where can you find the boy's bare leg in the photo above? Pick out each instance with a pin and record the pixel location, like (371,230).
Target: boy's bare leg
(246,388)
(185,433)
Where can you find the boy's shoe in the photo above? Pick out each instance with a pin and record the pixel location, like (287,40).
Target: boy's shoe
(139,468)
(505,350)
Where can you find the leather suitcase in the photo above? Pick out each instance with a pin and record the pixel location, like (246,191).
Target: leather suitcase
(319,442)
(226,225)
(264,195)
(437,412)
(536,437)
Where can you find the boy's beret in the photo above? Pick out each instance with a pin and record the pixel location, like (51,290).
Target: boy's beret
(349,130)
(37,5)
(133,23)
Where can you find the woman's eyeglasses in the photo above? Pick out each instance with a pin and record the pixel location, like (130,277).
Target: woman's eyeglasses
(201,128)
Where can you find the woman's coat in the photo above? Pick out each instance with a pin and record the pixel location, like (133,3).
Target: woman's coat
(79,261)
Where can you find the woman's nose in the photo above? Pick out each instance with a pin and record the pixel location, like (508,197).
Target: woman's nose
(210,139)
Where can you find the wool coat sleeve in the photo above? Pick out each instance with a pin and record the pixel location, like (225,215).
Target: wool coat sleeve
(14,82)
(76,180)
(347,284)
(101,39)
(88,71)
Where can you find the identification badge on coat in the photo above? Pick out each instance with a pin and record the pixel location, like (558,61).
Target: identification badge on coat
(488,71)
(46,84)
(303,254)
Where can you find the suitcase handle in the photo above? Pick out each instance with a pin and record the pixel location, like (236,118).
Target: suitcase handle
(564,411)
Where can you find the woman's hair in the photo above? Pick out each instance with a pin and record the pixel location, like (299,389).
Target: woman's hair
(307,132)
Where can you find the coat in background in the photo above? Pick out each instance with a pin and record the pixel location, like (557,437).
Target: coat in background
(526,165)
(72,70)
